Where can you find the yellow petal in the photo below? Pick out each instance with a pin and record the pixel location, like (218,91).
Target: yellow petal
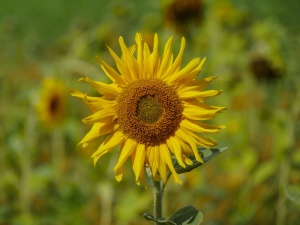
(175,147)
(126,151)
(119,174)
(111,73)
(76,93)
(191,76)
(154,58)
(162,168)
(122,67)
(166,58)
(145,65)
(188,138)
(199,94)
(205,142)
(110,142)
(192,103)
(154,158)
(200,127)
(100,116)
(139,160)
(110,91)
(98,129)
(138,40)
(177,63)
(133,67)
(141,178)
(187,160)
(193,112)
(166,158)
(96,103)
(186,70)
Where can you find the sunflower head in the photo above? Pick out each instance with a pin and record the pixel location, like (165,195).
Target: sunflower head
(263,70)
(153,109)
(179,13)
(51,106)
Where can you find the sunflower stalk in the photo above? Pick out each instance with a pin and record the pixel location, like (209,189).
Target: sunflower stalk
(157,199)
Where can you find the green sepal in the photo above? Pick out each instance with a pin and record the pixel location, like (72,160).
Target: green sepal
(206,155)
(188,215)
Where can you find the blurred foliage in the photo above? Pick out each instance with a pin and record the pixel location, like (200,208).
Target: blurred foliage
(253,47)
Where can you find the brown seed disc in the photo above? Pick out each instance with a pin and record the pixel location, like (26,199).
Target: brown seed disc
(55,105)
(149,111)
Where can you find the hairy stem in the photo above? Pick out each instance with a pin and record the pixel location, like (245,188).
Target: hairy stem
(157,199)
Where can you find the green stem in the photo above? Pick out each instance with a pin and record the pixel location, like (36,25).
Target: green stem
(157,199)
(57,155)
(26,168)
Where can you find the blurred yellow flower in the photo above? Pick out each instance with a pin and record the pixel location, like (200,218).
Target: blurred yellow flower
(152,109)
(51,106)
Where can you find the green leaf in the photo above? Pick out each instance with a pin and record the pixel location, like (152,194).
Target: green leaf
(206,154)
(149,217)
(293,193)
(188,215)
(209,153)
(163,221)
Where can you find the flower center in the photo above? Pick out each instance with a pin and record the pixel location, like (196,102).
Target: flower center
(149,111)
(54,105)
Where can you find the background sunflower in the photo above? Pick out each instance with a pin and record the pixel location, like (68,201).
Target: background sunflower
(52,103)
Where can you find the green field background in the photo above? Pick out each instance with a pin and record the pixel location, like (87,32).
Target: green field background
(252,46)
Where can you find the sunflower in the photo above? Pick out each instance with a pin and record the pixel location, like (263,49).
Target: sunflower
(153,109)
(179,14)
(51,106)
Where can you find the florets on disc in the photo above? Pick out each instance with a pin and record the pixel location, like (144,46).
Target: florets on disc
(149,111)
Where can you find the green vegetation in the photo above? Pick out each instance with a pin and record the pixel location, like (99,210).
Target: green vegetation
(252,47)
